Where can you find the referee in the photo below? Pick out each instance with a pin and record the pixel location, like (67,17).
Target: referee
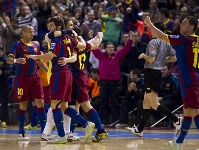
(157,53)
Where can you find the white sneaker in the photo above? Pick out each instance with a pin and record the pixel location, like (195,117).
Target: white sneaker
(89,130)
(174,145)
(72,137)
(134,130)
(58,140)
(47,137)
(178,124)
(23,137)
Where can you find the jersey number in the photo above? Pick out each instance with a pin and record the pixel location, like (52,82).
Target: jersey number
(82,60)
(20,91)
(196,57)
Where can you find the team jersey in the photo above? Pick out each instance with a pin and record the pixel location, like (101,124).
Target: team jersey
(79,67)
(169,26)
(8,4)
(127,24)
(187,53)
(21,50)
(62,46)
(146,36)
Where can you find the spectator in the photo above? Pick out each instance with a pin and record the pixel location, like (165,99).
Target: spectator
(163,15)
(94,89)
(134,94)
(125,38)
(138,47)
(11,33)
(113,27)
(91,24)
(5,71)
(110,78)
(169,91)
(153,9)
(143,30)
(25,19)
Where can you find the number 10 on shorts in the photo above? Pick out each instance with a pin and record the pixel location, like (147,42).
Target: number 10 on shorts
(20,91)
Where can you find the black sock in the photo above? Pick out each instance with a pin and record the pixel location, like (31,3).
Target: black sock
(165,111)
(145,117)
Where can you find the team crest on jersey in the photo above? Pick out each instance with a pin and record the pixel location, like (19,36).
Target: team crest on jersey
(67,41)
(168,85)
(19,97)
(174,36)
(35,49)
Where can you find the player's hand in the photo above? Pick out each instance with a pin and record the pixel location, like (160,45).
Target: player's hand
(147,21)
(21,61)
(32,56)
(128,10)
(91,33)
(141,56)
(62,61)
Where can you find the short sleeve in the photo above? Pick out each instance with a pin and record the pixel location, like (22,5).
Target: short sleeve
(177,40)
(171,51)
(55,46)
(14,50)
(152,48)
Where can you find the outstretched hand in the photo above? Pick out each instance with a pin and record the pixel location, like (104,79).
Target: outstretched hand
(147,21)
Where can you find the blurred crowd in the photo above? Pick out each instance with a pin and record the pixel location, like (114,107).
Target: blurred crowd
(115,18)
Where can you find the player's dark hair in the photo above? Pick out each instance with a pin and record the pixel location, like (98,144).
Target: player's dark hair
(76,29)
(95,70)
(58,21)
(66,20)
(193,21)
(164,11)
(160,26)
(137,72)
(108,43)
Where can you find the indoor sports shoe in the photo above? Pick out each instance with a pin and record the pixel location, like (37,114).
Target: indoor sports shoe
(178,124)
(47,137)
(174,145)
(134,130)
(29,127)
(58,140)
(72,137)
(89,130)
(100,136)
(23,137)
(3,125)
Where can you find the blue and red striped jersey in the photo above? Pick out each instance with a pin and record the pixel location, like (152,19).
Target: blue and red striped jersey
(62,46)
(146,36)
(169,26)
(8,4)
(79,67)
(187,53)
(22,50)
(127,24)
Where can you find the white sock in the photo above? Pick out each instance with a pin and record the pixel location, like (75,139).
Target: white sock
(67,120)
(50,122)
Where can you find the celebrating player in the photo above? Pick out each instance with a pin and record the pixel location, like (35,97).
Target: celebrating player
(27,84)
(187,52)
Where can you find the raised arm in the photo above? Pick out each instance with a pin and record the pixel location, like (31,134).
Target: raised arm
(159,34)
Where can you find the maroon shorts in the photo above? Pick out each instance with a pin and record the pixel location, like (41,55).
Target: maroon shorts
(190,96)
(27,88)
(46,90)
(61,85)
(80,88)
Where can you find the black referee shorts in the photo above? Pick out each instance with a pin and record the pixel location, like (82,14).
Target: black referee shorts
(152,80)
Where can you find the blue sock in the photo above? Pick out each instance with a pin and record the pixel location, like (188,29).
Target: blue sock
(59,121)
(42,117)
(196,119)
(21,120)
(94,117)
(73,125)
(46,108)
(76,116)
(186,124)
(34,116)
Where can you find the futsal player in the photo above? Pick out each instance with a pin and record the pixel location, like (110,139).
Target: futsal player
(187,52)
